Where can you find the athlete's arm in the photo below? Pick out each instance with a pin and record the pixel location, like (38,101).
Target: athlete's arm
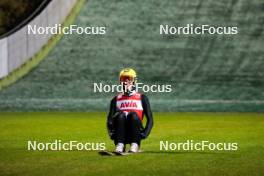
(109,123)
(148,113)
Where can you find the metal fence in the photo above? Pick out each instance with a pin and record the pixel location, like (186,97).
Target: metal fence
(17,48)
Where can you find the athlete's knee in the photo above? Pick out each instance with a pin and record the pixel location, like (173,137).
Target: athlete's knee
(133,116)
(120,116)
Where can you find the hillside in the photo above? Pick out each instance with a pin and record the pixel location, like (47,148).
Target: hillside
(207,72)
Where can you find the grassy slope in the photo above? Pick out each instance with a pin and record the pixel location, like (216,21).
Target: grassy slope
(246,129)
(199,67)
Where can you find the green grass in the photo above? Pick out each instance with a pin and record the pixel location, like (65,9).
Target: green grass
(246,129)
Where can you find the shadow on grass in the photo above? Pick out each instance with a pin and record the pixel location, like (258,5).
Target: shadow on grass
(106,153)
(186,152)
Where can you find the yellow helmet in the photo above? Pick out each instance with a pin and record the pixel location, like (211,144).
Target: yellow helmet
(127,74)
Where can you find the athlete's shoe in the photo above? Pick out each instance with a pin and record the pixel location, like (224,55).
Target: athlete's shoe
(119,148)
(134,148)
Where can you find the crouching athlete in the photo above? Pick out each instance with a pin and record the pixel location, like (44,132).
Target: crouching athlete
(127,109)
